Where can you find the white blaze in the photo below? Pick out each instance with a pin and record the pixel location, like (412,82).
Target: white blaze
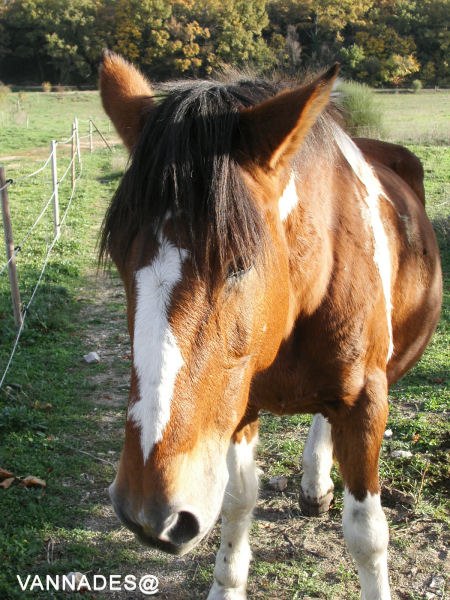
(381,256)
(156,355)
(289,199)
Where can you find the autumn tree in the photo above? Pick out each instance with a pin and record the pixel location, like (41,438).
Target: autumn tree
(388,42)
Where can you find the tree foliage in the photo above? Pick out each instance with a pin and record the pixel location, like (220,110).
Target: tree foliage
(383,43)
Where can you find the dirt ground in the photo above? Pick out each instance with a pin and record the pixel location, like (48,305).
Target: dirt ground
(289,550)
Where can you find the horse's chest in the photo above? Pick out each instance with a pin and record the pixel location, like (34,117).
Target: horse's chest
(319,364)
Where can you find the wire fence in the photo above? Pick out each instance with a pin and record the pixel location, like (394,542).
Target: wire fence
(19,247)
(75,164)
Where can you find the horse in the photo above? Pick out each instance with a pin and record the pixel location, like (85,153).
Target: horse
(269,262)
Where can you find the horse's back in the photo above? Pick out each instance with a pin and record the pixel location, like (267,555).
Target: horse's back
(398,158)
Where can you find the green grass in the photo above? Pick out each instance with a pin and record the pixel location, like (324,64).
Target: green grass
(68,525)
(415,118)
(49,116)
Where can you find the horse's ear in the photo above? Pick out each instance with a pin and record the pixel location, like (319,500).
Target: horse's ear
(272,131)
(126,95)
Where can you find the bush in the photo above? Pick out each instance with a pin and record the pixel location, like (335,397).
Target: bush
(46,86)
(4,91)
(416,85)
(362,118)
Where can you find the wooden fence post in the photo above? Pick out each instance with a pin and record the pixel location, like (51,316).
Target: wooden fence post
(9,243)
(77,135)
(73,155)
(56,224)
(90,135)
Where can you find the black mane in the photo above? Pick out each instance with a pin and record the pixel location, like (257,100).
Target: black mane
(182,165)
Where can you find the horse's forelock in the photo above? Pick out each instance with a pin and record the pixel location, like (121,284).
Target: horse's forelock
(183,165)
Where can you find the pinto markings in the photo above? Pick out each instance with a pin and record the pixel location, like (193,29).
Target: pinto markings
(289,199)
(381,253)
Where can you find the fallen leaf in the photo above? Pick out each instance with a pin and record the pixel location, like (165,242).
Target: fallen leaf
(4,474)
(6,483)
(31,480)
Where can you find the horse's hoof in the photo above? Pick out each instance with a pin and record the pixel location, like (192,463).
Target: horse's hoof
(314,507)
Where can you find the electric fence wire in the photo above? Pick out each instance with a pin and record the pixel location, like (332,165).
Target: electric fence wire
(27,307)
(18,248)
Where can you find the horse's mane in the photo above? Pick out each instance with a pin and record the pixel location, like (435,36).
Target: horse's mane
(182,165)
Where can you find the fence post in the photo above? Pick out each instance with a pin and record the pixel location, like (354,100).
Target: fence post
(73,155)
(9,243)
(56,225)
(90,135)
(77,135)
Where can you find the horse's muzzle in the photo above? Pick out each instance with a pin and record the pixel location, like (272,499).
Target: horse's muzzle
(175,533)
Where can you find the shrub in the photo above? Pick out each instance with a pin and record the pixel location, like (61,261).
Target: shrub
(46,86)
(4,91)
(362,118)
(416,85)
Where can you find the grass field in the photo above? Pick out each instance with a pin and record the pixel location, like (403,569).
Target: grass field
(420,118)
(28,119)
(62,420)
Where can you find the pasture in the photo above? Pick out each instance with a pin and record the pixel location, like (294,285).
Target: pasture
(62,420)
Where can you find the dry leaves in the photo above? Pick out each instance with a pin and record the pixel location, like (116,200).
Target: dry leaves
(6,482)
(31,480)
(4,474)
(7,479)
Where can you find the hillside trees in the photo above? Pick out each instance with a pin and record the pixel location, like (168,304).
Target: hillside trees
(57,36)
(381,42)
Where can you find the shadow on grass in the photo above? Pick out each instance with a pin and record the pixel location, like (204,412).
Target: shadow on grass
(110,177)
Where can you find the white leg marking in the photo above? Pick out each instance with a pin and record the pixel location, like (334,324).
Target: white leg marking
(156,356)
(233,558)
(317,461)
(381,256)
(289,199)
(367,536)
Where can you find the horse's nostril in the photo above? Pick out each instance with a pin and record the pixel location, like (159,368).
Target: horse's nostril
(184,529)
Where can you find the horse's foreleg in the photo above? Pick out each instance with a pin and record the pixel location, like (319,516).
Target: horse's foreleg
(233,558)
(357,439)
(316,488)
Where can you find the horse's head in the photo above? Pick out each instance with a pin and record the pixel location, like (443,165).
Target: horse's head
(196,232)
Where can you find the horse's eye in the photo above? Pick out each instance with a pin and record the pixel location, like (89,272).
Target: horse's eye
(236,269)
